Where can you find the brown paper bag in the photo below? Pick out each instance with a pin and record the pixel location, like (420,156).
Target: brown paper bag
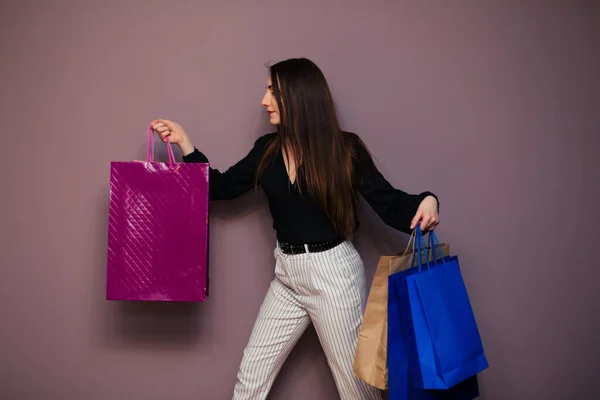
(370,361)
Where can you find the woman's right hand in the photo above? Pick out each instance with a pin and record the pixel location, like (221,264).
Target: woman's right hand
(165,128)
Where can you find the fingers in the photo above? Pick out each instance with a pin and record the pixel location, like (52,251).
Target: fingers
(159,125)
(154,124)
(161,128)
(163,133)
(418,216)
(164,122)
(425,224)
(429,222)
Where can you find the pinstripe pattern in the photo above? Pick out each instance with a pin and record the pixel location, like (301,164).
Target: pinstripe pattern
(327,288)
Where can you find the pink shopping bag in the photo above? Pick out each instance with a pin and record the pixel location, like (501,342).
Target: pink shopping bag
(158,230)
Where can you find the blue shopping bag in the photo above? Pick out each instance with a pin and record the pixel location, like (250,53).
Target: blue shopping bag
(404,372)
(403,358)
(448,345)
(448,340)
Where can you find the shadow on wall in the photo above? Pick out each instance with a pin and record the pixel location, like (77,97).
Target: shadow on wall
(307,350)
(141,324)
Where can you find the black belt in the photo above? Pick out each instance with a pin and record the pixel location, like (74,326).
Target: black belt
(288,248)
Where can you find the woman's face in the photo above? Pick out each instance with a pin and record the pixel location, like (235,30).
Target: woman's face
(270,104)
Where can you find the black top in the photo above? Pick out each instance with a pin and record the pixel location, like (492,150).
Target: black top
(297,217)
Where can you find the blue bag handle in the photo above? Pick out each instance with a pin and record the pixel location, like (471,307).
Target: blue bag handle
(416,249)
(418,246)
(433,245)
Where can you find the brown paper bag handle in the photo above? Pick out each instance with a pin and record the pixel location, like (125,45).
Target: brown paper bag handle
(410,240)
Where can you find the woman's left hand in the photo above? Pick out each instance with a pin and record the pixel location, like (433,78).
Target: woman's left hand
(427,215)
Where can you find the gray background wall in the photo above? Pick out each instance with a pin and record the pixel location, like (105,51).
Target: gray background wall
(494,107)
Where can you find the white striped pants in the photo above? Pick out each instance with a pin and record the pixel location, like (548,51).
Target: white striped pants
(327,288)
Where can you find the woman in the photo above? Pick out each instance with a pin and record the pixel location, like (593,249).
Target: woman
(312,173)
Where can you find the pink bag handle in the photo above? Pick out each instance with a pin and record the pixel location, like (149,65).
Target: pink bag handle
(150,153)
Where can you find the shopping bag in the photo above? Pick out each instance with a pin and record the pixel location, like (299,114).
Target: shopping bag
(402,356)
(448,340)
(158,230)
(370,361)
(437,331)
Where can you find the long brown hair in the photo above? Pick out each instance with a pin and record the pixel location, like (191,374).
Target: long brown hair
(309,130)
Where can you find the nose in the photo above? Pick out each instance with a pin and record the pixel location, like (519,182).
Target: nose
(265,101)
